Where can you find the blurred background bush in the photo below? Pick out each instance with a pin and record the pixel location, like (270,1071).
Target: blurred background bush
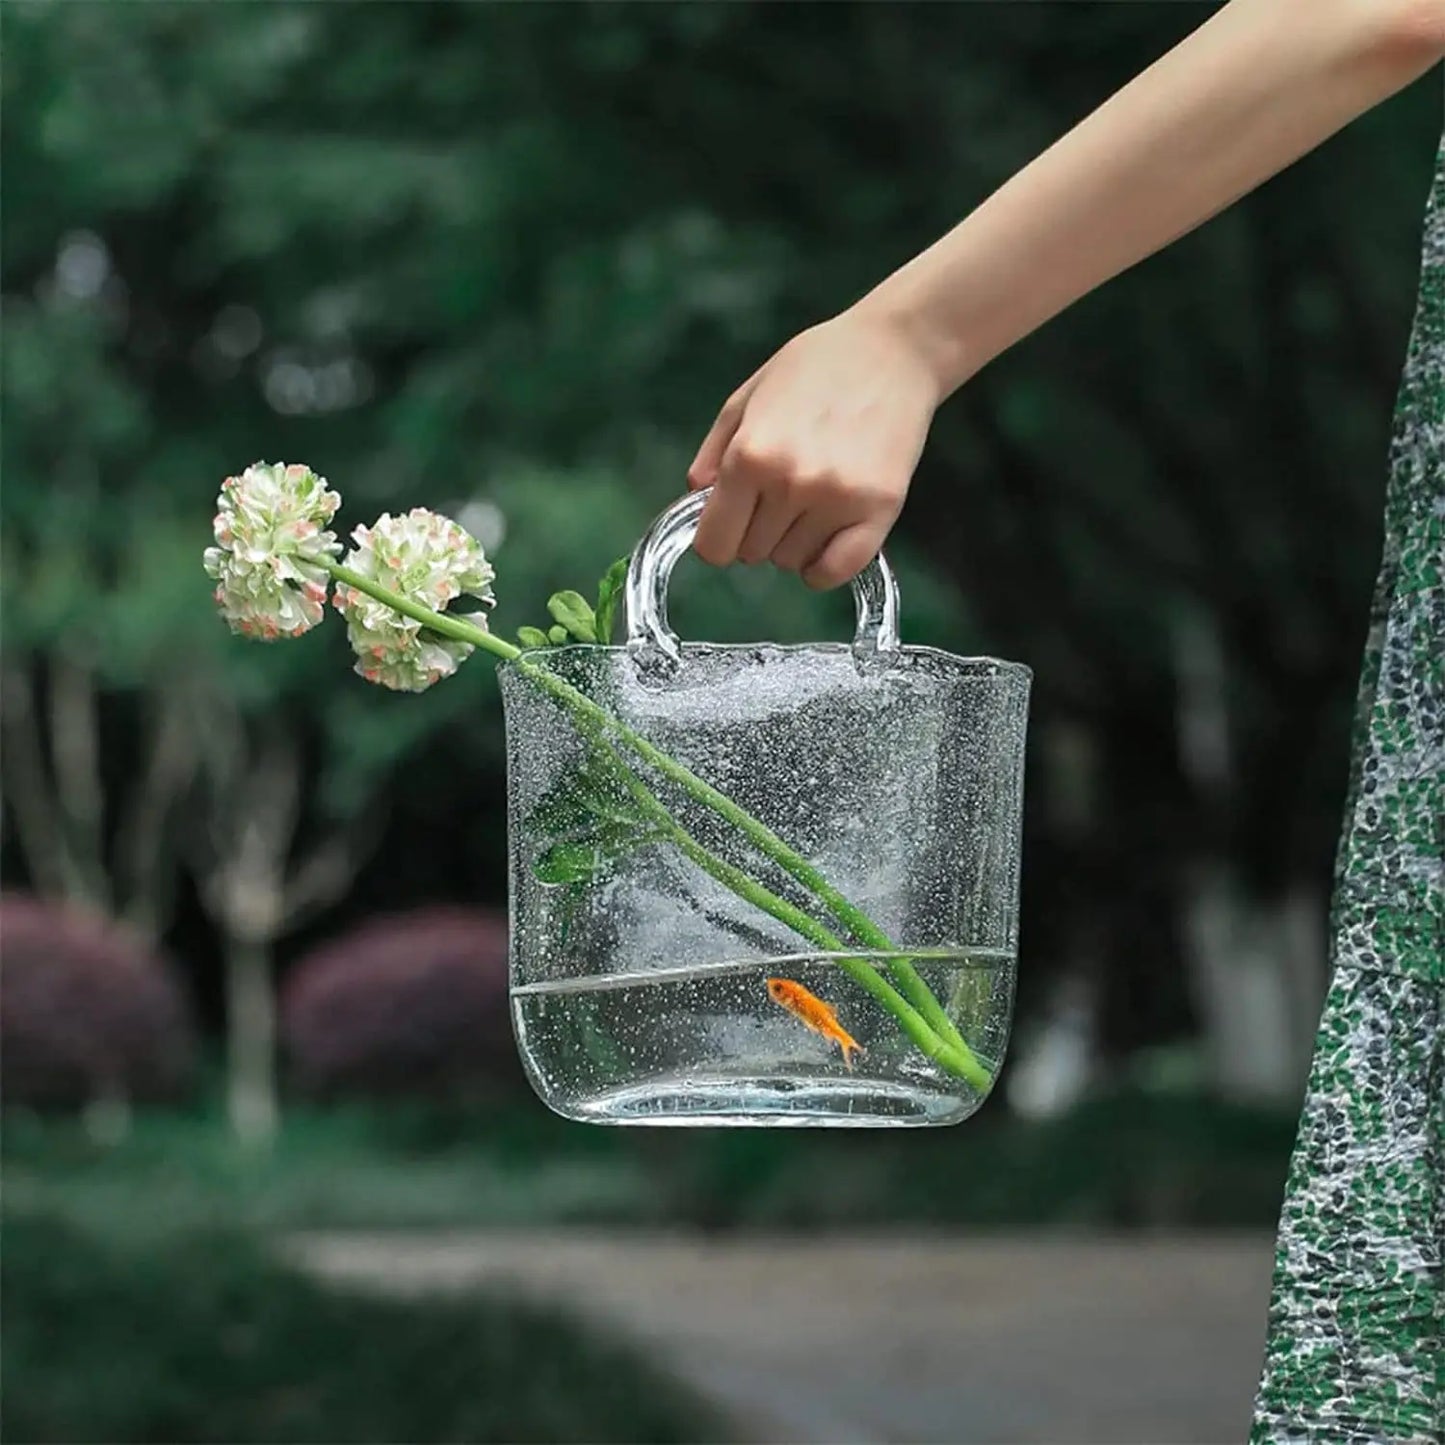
(91,1016)
(507,261)
(413,1002)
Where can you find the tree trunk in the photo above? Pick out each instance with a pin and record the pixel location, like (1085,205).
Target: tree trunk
(1256,973)
(251,1043)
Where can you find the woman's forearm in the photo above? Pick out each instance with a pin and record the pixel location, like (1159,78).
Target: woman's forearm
(810,460)
(1256,87)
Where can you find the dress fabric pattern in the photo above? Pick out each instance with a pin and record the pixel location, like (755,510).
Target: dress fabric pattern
(1354,1351)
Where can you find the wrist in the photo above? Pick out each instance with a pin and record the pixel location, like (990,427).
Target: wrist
(930,332)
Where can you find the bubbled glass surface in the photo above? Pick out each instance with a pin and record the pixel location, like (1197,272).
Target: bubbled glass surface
(641,994)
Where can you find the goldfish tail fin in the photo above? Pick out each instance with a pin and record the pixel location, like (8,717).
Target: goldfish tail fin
(850,1047)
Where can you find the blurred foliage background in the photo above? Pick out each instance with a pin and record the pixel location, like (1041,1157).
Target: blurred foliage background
(507,261)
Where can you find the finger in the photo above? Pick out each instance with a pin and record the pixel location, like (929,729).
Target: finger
(724,522)
(772,517)
(802,542)
(704,469)
(706,464)
(844,556)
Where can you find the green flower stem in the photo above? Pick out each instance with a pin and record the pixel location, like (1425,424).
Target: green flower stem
(956,1061)
(909,982)
(766,841)
(453,627)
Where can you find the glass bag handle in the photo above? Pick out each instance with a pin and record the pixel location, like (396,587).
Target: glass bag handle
(875,590)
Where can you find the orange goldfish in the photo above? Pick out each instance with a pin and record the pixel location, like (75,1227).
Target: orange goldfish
(811,1010)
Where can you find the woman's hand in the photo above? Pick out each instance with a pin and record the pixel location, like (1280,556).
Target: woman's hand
(811,458)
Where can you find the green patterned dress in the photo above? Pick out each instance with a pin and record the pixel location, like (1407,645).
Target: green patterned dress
(1356,1322)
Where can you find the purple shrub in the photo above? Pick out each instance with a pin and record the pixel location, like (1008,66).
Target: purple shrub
(87,1010)
(407,1003)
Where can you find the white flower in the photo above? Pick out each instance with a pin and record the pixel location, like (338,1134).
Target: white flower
(429,560)
(271,544)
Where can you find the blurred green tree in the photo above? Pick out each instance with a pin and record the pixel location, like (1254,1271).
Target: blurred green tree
(507,261)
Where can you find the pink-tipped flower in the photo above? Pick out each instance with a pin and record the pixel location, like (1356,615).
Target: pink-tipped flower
(271,544)
(429,560)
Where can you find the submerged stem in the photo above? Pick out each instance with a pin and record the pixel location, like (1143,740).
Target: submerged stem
(767,842)
(955,1061)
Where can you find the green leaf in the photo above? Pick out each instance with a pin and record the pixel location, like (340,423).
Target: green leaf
(569,806)
(531,637)
(566,913)
(581,859)
(579,801)
(562,813)
(570,863)
(609,595)
(557,635)
(619,836)
(571,610)
(605,799)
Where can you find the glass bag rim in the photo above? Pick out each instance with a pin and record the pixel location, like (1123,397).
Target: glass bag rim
(978,668)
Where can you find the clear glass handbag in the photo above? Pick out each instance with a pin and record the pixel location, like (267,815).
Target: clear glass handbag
(761,884)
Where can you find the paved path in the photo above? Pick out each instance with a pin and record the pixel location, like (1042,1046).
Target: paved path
(867,1341)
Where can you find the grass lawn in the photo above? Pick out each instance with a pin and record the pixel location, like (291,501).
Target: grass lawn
(204,1338)
(141,1303)
(1124,1160)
